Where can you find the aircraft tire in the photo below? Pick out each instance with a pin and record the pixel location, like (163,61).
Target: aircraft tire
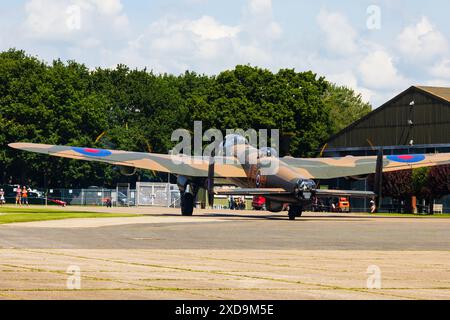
(187,204)
(292,216)
(294,212)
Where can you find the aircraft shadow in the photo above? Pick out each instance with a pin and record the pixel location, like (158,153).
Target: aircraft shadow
(243,217)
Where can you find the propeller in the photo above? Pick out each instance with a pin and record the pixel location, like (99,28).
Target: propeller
(379,178)
(210,181)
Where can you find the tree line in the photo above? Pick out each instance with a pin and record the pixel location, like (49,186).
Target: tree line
(66,103)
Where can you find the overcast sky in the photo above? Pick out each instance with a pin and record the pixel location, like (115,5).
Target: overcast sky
(377,47)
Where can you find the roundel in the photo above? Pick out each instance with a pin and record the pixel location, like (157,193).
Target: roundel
(92,152)
(258,179)
(408,158)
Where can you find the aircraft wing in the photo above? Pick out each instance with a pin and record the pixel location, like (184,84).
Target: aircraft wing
(329,168)
(179,165)
(344,193)
(278,191)
(252,192)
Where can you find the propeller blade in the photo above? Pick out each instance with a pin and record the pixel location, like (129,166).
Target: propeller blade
(210,181)
(379,178)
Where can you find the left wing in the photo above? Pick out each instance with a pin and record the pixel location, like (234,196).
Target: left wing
(178,165)
(330,168)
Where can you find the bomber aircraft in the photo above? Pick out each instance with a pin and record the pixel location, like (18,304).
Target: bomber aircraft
(293,183)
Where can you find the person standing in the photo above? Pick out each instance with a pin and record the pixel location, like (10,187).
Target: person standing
(231,203)
(18,196)
(25,196)
(373,207)
(2,197)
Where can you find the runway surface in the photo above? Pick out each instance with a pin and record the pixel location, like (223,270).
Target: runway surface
(227,255)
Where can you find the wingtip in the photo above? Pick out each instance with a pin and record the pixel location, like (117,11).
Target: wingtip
(14,145)
(18,145)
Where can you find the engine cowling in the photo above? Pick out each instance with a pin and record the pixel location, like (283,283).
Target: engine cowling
(127,171)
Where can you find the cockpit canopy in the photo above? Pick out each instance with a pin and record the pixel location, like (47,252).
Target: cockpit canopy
(268,152)
(234,140)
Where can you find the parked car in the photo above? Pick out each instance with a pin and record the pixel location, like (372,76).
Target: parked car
(259,203)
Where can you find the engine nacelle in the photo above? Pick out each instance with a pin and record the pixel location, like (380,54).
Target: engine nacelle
(127,171)
(274,206)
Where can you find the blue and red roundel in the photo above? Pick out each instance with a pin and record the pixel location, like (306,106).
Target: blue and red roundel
(92,152)
(407,158)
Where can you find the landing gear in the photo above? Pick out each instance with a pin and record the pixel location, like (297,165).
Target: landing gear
(294,212)
(187,204)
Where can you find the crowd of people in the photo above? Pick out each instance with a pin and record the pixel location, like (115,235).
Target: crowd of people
(237,203)
(21,196)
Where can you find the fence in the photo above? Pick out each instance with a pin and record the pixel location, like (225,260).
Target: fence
(157,194)
(79,197)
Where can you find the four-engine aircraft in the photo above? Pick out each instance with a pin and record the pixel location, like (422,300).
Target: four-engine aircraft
(293,183)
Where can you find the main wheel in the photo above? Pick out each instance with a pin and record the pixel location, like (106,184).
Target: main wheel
(292,215)
(294,212)
(187,204)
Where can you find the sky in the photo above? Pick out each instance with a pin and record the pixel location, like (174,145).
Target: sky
(377,47)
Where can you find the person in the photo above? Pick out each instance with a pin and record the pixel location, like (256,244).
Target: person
(373,207)
(239,203)
(25,196)
(231,203)
(315,204)
(18,196)
(333,207)
(236,204)
(2,197)
(242,204)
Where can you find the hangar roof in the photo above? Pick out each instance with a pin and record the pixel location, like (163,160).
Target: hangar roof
(441,92)
(388,124)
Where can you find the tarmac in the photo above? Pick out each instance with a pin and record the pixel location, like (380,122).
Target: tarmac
(226,255)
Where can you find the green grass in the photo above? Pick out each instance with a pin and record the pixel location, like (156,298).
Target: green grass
(29,214)
(406,215)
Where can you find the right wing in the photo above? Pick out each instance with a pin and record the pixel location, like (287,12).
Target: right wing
(252,192)
(279,191)
(330,168)
(178,165)
(344,193)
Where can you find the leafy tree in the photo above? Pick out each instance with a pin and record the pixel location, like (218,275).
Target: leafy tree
(66,103)
(345,106)
(399,186)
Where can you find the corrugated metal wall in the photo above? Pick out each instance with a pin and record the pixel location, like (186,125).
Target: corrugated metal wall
(389,125)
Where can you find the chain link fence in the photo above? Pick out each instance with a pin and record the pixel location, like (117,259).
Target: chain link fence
(145,194)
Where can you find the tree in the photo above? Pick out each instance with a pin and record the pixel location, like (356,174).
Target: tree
(399,186)
(345,106)
(437,184)
(65,103)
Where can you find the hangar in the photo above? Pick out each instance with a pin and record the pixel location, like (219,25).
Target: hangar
(415,121)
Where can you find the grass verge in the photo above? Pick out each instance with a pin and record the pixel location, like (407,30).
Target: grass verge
(30,214)
(407,215)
